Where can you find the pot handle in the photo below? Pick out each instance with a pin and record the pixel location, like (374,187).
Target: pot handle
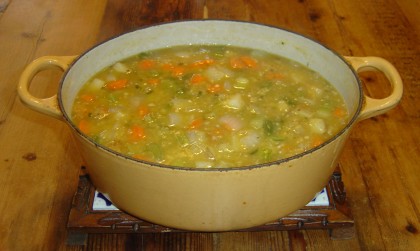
(373,107)
(48,106)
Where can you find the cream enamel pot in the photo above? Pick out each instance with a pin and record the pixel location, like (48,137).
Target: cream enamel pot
(212,199)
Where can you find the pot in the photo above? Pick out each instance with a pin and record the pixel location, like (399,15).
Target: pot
(212,199)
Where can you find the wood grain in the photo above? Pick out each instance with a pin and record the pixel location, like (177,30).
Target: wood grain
(126,15)
(39,163)
(36,190)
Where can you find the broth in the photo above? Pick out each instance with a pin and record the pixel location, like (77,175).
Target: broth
(209,106)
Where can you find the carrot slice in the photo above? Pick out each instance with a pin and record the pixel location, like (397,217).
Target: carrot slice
(196,123)
(339,112)
(203,63)
(87,97)
(167,67)
(249,61)
(178,71)
(216,88)
(243,62)
(175,70)
(139,156)
(137,133)
(143,111)
(84,126)
(237,63)
(153,81)
(146,64)
(274,76)
(117,84)
(197,79)
(317,140)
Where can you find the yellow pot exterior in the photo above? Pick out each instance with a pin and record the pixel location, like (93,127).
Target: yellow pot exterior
(212,199)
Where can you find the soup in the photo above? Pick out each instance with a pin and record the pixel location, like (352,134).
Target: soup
(208,106)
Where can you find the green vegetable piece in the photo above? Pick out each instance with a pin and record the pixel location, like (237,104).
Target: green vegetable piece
(156,151)
(266,154)
(269,127)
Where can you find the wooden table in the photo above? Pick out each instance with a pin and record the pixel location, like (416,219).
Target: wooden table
(39,164)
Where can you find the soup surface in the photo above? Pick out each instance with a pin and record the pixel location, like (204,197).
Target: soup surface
(209,106)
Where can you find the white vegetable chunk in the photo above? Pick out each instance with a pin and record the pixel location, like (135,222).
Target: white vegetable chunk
(120,67)
(174,119)
(250,140)
(196,136)
(97,84)
(235,102)
(317,125)
(111,77)
(214,74)
(231,122)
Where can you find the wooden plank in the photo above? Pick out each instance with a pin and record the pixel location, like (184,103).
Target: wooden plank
(369,24)
(3,5)
(38,173)
(410,10)
(132,15)
(377,201)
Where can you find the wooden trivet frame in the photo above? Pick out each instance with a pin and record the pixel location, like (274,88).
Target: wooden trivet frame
(336,217)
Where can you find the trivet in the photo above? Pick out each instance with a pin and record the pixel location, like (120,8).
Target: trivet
(92,213)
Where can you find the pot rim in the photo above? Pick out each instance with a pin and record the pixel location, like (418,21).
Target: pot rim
(347,127)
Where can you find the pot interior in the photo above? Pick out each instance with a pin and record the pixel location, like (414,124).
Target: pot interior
(273,40)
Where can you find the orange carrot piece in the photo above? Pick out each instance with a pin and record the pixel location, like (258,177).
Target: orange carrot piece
(178,71)
(220,131)
(153,81)
(137,133)
(216,88)
(203,63)
(146,64)
(84,126)
(249,61)
(167,67)
(143,111)
(87,97)
(237,63)
(196,123)
(139,156)
(197,79)
(227,127)
(243,62)
(274,76)
(317,140)
(117,84)
(339,112)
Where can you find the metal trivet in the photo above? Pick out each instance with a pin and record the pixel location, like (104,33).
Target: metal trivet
(92,213)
